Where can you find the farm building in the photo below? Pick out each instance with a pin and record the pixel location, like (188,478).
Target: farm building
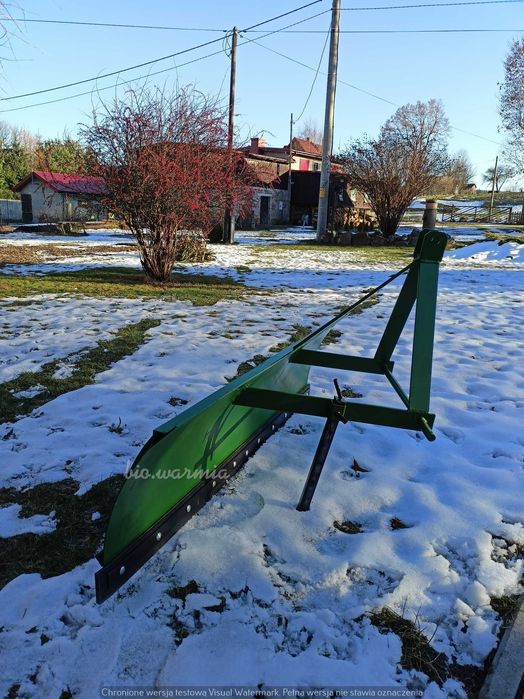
(270,201)
(53,196)
(271,197)
(306,155)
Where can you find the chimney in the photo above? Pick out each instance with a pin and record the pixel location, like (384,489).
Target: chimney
(256,144)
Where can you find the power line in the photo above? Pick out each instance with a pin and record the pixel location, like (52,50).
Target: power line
(403,31)
(117,25)
(109,24)
(304,65)
(153,61)
(114,85)
(284,31)
(159,72)
(114,72)
(285,14)
(314,81)
(281,30)
(431,4)
(367,92)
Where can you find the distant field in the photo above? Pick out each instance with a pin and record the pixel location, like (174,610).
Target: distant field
(501,198)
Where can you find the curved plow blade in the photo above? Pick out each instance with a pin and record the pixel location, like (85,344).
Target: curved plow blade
(190,457)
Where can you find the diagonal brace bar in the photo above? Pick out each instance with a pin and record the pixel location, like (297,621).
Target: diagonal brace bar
(399,316)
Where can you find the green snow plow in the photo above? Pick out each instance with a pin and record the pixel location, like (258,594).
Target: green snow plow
(188,459)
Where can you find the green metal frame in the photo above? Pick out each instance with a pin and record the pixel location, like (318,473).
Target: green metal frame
(420,288)
(228,426)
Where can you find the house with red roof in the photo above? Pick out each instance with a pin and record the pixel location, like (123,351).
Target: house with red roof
(54,196)
(271,206)
(306,155)
(271,199)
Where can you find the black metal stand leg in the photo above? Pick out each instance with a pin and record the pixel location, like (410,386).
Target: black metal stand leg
(318,464)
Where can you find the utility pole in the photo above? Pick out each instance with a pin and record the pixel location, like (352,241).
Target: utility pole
(493,186)
(290,162)
(327,143)
(229,219)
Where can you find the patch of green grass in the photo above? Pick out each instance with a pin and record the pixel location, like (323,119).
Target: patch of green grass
(368,303)
(299,333)
(18,304)
(332,337)
(86,366)
(200,289)
(417,653)
(503,238)
(244,367)
(76,538)
(351,254)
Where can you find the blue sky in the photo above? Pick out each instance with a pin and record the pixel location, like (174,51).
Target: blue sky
(462,69)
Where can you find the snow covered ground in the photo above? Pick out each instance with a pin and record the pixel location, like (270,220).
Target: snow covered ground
(281,597)
(246,261)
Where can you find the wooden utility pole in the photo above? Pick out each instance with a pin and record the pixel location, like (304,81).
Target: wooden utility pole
(493,186)
(290,162)
(229,219)
(327,143)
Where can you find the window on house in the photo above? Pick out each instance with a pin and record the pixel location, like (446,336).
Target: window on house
(316,167)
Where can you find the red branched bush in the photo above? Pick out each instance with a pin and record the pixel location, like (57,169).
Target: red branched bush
(167,168)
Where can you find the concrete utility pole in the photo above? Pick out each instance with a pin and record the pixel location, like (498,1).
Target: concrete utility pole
(229,219)
(327,143)
(290,162)
(493,186)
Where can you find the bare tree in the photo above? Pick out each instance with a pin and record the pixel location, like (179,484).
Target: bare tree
(503,174)
(402,162)
(310,129)
(461,170)
(8,28)
(511,105)
(166,168)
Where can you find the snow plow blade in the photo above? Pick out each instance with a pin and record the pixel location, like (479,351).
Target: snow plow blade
(189,458)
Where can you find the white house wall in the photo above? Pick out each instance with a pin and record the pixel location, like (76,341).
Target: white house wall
(47,204)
